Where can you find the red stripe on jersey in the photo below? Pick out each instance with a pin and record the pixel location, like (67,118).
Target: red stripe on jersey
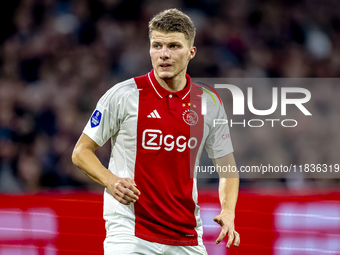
(164,212)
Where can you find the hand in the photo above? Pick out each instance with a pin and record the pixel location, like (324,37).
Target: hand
(124,190)
(227,224)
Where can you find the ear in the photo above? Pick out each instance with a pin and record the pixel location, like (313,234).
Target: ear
(192,52)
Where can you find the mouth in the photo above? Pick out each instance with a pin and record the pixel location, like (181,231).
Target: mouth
(165,65)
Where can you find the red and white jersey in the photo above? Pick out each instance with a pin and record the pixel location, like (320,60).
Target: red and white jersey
(157,138)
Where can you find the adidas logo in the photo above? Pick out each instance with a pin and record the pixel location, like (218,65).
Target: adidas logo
(154,114)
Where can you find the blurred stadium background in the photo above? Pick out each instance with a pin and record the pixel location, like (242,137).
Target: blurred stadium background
(58,57)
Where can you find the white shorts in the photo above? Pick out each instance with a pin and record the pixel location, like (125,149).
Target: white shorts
(132,245)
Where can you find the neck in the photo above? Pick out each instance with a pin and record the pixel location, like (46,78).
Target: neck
(174,84)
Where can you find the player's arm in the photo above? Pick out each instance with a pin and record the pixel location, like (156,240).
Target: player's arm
(228,193)
(85,159)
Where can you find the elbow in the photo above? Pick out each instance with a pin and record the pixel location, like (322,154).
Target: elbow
(75,156)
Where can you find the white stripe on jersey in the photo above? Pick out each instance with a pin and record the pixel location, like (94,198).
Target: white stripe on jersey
(154,86)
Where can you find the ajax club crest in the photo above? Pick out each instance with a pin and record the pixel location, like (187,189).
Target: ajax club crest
(190,116)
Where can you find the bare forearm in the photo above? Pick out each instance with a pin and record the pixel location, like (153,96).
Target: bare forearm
(86,160)
(122,189)
(228,185)
(228,193)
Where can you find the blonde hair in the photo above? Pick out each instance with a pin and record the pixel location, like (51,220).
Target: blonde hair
(173,20)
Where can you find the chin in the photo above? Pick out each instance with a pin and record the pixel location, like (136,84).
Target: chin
(165,75)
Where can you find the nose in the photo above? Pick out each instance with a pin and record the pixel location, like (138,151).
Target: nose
(165,54)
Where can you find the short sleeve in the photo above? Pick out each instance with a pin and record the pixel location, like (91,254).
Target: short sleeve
(104,121)
(218,142)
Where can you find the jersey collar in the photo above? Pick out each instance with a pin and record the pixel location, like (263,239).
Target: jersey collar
(162,92)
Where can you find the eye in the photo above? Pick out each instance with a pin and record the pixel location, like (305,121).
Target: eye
(174,46)
(156,46)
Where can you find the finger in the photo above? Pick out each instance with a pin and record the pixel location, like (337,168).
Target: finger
(127,197)
(237,239)
(135,190)
(119,196)
(126,187)
(132,187)
(129,180)
(221,236)
(127,193)
(230,238)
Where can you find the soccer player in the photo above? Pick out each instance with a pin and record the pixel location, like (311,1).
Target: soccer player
(157,135)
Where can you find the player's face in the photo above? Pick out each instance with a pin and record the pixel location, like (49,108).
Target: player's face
(170,54)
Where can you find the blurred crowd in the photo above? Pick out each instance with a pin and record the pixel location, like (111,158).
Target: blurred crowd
(58,57)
